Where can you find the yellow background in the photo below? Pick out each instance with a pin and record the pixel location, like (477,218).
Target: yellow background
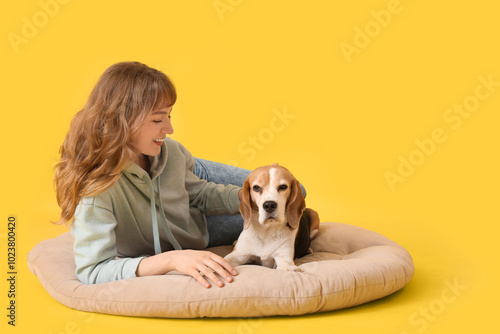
(351,118)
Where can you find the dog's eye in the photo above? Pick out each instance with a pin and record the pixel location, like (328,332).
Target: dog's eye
(283,187)
(257,188)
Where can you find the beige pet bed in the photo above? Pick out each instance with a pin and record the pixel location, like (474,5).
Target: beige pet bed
(350,266)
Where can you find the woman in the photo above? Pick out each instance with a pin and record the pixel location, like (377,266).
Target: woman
(120,178)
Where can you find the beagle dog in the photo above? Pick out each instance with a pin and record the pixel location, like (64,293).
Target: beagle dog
(277,226)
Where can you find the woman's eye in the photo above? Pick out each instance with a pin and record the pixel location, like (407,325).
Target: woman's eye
(157,122)
(283,187)
(256,188)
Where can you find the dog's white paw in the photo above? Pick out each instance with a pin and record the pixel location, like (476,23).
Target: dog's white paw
(290,267)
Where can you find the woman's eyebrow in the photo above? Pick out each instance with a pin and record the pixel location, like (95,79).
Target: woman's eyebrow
(161,112)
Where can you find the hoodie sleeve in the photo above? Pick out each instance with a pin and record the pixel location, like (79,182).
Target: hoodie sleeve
(210,198)
(94,245)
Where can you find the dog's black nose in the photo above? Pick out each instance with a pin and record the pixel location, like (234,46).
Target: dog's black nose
(270,206)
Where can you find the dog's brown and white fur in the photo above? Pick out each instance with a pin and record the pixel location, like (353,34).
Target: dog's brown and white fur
(277,226)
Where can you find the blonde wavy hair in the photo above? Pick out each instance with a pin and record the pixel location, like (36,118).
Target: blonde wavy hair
(98,148)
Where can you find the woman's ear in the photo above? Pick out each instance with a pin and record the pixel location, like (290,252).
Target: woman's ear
(296,204)
(245,204)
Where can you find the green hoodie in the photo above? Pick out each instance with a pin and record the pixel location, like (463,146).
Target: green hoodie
(116,229)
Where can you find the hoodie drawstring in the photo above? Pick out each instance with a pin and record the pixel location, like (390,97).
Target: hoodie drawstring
(163,220)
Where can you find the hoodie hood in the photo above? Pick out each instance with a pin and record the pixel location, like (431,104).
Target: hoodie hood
(157,163)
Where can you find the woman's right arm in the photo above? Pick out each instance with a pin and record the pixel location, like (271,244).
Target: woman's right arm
(95,253)
(198,264)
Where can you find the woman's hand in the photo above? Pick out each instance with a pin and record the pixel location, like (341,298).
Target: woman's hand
(201,265)
(198,264)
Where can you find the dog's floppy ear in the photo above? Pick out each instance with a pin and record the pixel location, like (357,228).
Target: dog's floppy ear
(245,204)
(295,205)
(313,218)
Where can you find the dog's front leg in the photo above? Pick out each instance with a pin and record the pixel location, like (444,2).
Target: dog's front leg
(285,262)
(235,258)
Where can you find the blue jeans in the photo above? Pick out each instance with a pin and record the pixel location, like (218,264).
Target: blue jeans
(223,229)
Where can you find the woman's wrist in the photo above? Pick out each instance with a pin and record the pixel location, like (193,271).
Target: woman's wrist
(159,264)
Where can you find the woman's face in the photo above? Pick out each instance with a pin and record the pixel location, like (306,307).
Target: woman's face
(150,137)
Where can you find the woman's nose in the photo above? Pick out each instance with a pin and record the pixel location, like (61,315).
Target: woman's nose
(168,129)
